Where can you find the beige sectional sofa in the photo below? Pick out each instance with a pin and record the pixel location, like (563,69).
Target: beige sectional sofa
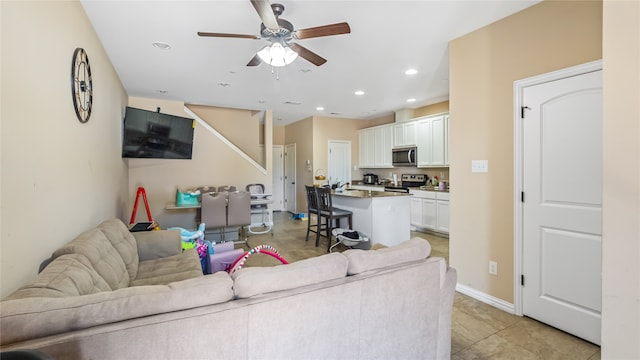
(110,295)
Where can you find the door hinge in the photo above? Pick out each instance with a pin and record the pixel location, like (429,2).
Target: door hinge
(522,196)
(522,280)
(522,109)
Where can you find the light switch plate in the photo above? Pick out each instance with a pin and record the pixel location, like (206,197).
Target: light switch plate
(479,166)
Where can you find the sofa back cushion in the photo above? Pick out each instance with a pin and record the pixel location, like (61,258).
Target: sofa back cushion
(124,242)
(104,258)
(32,318)
(67,275)
(251,281)
(366,260)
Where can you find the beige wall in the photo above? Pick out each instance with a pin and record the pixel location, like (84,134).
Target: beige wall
(241,127)
(327,128)
(437,108)
(59,177)
(300,134)
(621,185)
(278,135)
(483,66)
(213,164)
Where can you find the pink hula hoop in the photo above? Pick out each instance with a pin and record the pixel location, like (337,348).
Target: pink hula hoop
(260,249)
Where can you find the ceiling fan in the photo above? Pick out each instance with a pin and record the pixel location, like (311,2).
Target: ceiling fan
(280,32)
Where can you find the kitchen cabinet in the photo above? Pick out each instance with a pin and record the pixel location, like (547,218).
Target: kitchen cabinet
(430,210)
(366,143)
(432,137)
(375,146)
(404,134)
(383,143)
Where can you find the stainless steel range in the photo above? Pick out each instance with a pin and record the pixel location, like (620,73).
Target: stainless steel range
(407,181)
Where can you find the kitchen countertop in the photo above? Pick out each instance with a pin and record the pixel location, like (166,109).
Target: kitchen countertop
(429,188)
(367,194)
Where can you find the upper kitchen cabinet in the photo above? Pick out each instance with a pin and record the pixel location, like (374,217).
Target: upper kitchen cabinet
(404,133)
(366,143)
(375,147)
(433,141)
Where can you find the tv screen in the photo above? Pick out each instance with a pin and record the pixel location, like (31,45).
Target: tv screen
(149,134)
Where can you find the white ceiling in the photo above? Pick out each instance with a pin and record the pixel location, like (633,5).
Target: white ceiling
(387,38)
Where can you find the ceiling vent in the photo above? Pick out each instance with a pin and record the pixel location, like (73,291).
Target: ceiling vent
(292,103)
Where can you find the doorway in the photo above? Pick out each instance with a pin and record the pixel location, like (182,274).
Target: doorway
(558,199)
(290,178)
(277,180)
(339,161)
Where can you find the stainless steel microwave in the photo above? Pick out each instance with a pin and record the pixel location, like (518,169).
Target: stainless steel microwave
(404,156)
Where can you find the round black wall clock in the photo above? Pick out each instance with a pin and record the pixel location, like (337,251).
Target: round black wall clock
(81,86)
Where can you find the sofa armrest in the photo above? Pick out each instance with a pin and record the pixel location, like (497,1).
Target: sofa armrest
(158,243)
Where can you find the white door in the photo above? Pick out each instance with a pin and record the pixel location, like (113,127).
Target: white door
(562,208)
(339,161)
(277,181)
(290,178)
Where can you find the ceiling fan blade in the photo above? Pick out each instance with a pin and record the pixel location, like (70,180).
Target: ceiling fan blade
(266,14)
(308,55)
(326,30)
(255,61)
(242,36)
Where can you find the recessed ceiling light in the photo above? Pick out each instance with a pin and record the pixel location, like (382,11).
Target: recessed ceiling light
(161,45)
(320,108)
(411,72)
(411,100)
(359,92)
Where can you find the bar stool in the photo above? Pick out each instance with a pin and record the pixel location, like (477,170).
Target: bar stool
(330,213)
(312,208)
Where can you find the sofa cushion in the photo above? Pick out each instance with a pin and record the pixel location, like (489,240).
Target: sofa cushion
(251,281)
(104,258)
(366,260)
(67,275)
(158,243)
(166,270)
(22,319)
(120,237)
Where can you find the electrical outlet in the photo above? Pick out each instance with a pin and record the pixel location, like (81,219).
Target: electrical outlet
(493,267)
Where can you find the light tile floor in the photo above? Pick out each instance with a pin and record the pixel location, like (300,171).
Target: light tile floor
(479,331)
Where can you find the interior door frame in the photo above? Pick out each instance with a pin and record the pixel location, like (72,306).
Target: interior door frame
(281,182)
(518,152)
(347,144)
(290,150)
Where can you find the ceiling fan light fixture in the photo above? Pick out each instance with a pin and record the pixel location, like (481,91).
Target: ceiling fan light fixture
(277,55)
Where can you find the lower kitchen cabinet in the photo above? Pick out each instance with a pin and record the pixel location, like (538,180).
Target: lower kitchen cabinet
(442,209)
(430,210)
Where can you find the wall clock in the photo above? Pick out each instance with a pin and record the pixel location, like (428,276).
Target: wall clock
(81,86)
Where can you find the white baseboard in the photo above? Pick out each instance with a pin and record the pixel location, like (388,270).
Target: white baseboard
(486,298)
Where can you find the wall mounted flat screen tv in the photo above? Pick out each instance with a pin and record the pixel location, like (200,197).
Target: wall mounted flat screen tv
(149,134)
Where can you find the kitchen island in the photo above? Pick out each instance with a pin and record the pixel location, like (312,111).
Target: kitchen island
(382,216)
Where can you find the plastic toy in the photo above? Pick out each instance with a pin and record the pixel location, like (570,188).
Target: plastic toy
(262,249)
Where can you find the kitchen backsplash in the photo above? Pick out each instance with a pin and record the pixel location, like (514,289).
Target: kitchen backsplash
(441,173)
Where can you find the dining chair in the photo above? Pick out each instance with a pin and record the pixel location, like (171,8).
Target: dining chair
(239,211)
(327,211)
(213,213)
(312,208)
